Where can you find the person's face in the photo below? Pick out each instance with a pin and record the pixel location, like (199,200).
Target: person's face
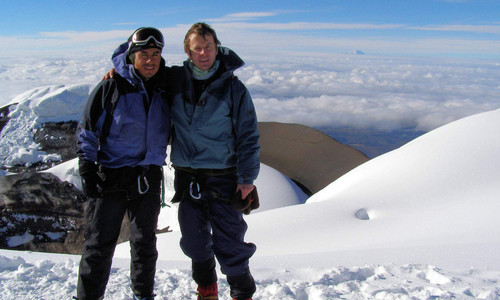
(147,62)
(202,51)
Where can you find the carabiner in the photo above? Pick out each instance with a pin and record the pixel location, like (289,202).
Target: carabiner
(197,190)
(141,192)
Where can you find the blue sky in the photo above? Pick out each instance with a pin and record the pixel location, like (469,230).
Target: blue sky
(429,27)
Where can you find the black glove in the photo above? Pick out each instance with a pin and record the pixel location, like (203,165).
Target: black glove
(90,179)
(248,204)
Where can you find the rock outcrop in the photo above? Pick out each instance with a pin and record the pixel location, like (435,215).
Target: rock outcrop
(58,138)
(40,213)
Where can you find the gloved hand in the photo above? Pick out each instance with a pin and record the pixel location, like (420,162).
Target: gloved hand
(90,179)
(248,204)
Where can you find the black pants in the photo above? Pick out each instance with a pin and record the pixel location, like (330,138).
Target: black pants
(104,218)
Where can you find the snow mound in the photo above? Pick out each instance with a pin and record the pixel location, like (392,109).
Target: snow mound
(449,166)
(433,201)
(275,190)
(438,194)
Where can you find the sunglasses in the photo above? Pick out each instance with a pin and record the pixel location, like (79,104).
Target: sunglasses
(143,35)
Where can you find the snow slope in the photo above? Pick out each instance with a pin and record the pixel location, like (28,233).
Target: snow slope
(278,189)
(434,200)
(420,222)
(429,230)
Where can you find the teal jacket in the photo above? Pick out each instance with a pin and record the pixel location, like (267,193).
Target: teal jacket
(218,130)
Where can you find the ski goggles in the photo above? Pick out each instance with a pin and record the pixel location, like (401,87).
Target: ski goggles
(144,35)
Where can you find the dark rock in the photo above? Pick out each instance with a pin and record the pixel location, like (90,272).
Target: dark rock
(37,209)
(53,138)
(58,138)
(39,212)
(40,192)
(4,116)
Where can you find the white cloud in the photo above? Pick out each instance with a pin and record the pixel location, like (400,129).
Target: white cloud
(87,36)
(370,92)
(243,16)
(315,89)
(495,29)
(261,38)
(295,76)
(126,24)
(306,26)
(68,42)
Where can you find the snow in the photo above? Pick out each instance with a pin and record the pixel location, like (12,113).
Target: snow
(33,108)
(420,222)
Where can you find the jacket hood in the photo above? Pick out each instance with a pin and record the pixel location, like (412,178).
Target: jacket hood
(229,59)
(123,66)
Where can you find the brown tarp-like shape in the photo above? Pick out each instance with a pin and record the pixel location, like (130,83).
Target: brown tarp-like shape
(306,155)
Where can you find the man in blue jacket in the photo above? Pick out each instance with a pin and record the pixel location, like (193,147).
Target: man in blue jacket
(215,153)
(122,141)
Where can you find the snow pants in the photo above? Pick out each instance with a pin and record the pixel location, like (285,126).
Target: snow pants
(211,227)
(104,218)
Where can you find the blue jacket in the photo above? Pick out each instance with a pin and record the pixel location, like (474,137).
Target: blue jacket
(116,129)
(219,130)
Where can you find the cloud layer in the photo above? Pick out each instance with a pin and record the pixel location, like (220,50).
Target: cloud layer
(327,91)
(368,92)
(303,72)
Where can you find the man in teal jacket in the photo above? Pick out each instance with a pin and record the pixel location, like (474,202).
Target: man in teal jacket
(215,153)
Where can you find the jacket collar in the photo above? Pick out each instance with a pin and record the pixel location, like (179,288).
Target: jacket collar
(228,58)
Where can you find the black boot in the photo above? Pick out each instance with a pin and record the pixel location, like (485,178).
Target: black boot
(242,286)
